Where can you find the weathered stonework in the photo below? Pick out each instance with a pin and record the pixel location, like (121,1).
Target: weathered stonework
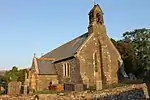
(131,92)
(75,71)
(43,81)
(14,88)
(85,56)
(107,55)
(39,82)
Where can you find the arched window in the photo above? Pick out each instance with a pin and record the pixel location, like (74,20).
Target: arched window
(95,62)
(66,69)
(98,17)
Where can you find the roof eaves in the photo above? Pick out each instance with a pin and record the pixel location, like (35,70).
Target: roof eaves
(59,60)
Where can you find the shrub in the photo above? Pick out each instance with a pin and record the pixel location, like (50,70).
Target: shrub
(2,92)
(92,87)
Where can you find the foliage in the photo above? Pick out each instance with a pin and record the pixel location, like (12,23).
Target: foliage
(15,75)
(140,41)
(92,88)
(127,54)
(135,52)
(2,79)
(2,92)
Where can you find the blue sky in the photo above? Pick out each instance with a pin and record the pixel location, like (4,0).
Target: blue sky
(38,26)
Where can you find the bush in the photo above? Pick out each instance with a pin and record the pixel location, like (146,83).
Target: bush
(92,87)
(2,92)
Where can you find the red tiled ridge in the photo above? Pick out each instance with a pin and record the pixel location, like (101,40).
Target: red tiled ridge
(43,58)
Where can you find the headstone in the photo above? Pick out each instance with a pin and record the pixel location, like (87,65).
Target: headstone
(86,81)
(14,88)
(78,87)
(25,89)
(2,88)
(98,85)
(73,87)
(121,72)
(55,81)
(132,76)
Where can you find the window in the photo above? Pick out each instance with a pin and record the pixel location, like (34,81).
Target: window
(95,62)
(66,69)
(98,17)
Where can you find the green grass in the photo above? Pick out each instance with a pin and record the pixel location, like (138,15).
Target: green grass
(46,92)
(132,82)
(123,83)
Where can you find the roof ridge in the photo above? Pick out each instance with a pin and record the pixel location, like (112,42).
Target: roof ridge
(45,58)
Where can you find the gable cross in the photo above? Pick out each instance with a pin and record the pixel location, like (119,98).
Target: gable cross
(94,3)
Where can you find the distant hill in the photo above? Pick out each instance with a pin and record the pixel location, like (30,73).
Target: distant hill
(2,72)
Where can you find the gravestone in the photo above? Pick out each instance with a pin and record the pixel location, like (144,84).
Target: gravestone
(14,88)
(132,76)
(73,87)
(55,81)
(122,75)
(78,87)
(26,86)
(25,89)
(98,85)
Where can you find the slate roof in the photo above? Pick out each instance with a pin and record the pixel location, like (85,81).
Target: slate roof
(68,49)
(46,67)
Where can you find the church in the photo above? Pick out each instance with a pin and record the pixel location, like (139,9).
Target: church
(89,59)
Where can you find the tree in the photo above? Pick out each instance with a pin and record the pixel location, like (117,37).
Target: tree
(127,54)
(15,75)
(21,75)
(140,43)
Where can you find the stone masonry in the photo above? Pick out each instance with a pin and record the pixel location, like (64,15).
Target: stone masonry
(130,92)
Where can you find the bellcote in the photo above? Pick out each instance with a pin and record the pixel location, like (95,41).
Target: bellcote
(96,15)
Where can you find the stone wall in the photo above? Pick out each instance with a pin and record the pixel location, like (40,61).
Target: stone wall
(109,55)
(86,61)
(131,92)
(75,71)
(43,81)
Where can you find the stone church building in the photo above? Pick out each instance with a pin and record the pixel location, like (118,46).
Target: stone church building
(89,59)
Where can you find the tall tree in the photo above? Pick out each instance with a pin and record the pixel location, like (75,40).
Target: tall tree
(140,41)
(127,54)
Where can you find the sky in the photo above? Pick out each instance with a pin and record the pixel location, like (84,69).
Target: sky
(38,26)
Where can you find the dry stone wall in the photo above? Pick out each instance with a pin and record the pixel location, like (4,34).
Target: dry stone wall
(131,92)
